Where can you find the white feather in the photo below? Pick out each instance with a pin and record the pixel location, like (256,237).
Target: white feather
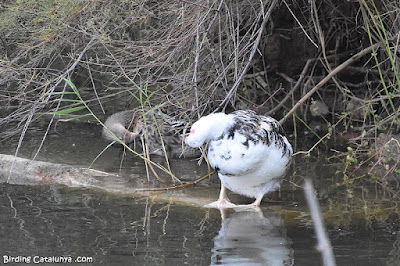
(249,152)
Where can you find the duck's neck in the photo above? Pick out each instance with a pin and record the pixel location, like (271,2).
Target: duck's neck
(219,123)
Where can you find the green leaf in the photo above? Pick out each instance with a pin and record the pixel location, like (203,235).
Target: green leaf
(73,87)
(77,117)
(69,100)
(60,92)
(67,111)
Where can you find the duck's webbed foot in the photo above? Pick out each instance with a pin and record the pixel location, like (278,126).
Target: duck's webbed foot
(255,205)
(223,202)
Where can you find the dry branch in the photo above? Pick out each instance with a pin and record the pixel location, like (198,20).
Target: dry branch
(328,77)
(252,53)
(295,87)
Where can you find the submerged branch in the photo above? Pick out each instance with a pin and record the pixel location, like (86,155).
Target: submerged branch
(324,245)
(178,187)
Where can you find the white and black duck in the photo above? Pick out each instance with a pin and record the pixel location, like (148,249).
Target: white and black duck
(158,131)
(250,153)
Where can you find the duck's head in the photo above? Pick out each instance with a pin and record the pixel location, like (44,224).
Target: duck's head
(208,128)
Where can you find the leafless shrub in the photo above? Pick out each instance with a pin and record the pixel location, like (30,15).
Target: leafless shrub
(202,56)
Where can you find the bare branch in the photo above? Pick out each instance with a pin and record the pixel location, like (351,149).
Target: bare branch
(339,68)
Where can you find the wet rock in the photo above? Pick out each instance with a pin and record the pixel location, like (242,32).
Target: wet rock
(319,127)
(387,147)
(318,108)
(356,109)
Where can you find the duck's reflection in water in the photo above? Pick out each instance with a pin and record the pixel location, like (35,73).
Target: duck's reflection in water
(252,237)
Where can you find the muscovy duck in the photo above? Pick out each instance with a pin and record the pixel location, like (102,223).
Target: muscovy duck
(250,153)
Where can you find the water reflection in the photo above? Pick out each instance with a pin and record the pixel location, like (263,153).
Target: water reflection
(252,237)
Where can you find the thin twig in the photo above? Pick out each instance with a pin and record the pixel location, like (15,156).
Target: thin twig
(196,62)
(328,77)
(94,86)
(178,187)
(324,245)
(327,135)
(301,26)
(33,110)
(252,53)
(295,87)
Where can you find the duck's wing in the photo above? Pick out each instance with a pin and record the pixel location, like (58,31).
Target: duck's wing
(258,128)
(246,146)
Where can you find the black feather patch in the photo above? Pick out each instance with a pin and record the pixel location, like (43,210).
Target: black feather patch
(257,128)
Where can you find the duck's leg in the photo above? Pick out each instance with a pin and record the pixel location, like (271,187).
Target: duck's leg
(222,202)
(255,204)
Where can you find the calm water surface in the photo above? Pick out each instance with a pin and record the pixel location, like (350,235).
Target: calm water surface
(52,221)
